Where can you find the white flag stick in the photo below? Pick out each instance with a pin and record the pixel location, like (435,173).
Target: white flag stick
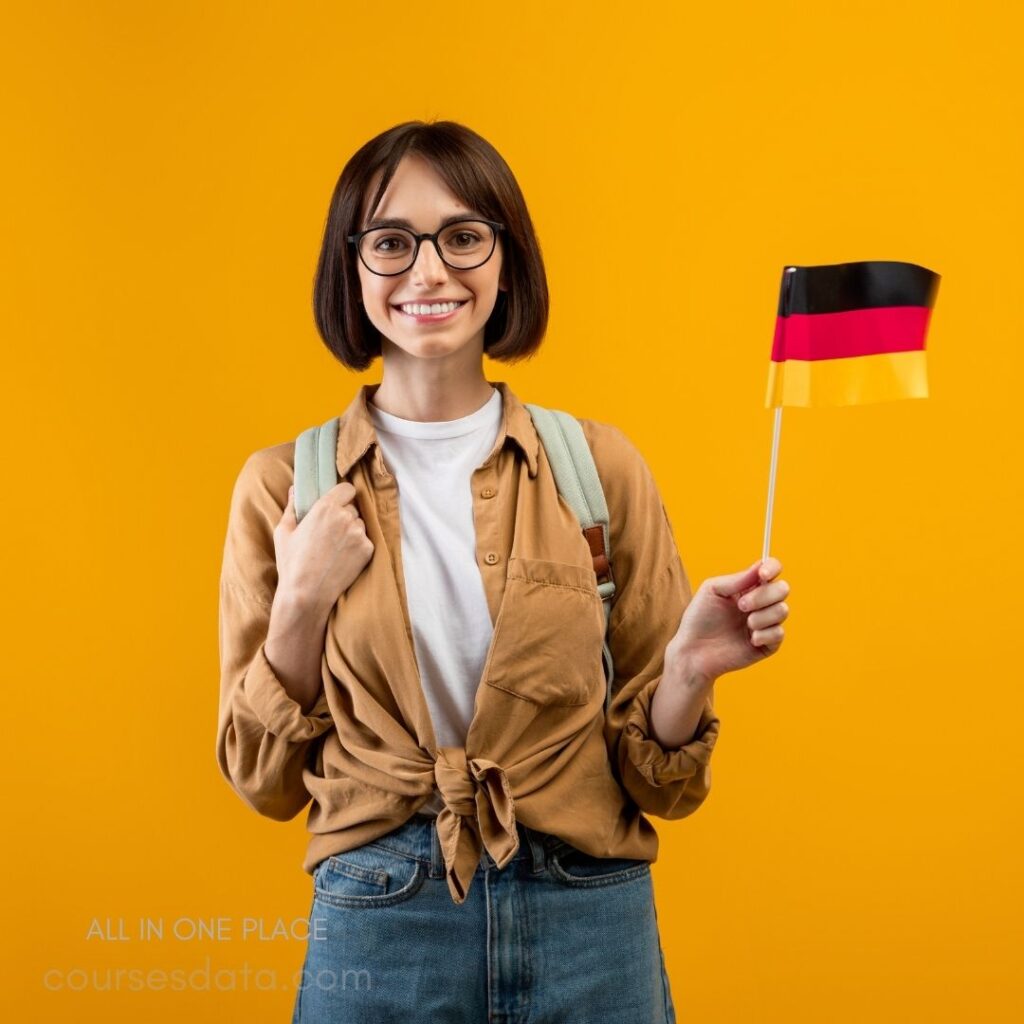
(771,482)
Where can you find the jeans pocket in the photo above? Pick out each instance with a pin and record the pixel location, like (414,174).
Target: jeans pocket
(573,867)
(367,876)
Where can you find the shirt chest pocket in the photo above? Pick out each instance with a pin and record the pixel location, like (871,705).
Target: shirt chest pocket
(549,634)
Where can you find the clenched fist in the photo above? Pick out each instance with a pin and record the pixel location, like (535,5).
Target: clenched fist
(320,558)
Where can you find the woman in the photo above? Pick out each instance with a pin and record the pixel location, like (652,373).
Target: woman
(429,669)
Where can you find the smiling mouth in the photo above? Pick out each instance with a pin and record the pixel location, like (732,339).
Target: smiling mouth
(427,317)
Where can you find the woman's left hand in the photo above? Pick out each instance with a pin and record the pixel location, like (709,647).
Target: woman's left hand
(733,621)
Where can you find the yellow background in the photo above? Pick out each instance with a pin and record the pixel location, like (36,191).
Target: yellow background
(167,174)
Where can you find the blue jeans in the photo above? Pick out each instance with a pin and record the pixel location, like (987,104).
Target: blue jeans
(556,937)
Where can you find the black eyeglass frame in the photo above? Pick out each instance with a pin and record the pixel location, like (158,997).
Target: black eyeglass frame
(495,225)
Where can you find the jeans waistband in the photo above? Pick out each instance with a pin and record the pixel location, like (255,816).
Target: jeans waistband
(418,838)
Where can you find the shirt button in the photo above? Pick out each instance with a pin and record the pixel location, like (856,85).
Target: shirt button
(487,492)
(491,557)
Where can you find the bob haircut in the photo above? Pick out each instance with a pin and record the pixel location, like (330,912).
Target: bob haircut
(475,172)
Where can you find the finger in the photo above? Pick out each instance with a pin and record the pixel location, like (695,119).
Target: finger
(735,583)
(770,616)
(343,492)
(767,569)
(767,637)
(761,597)
(288,514)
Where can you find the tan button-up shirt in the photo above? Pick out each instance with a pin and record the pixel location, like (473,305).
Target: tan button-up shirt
(540,748)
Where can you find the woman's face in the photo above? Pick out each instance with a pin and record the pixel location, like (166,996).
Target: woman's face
(417,194)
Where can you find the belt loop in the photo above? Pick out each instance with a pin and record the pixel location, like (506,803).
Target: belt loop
(436,857)
(537,853)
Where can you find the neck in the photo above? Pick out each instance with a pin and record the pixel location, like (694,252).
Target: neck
(419,391)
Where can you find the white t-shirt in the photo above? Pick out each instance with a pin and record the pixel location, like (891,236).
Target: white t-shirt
(433,462)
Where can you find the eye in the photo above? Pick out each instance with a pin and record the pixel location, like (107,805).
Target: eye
(389,244)
(463,240)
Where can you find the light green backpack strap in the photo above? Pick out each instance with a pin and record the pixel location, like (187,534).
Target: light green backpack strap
(316,465)
(578,482)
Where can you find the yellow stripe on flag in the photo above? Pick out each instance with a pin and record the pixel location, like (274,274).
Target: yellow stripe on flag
(852,380)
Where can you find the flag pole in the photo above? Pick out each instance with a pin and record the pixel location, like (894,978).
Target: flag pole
(771,482)
(777,398)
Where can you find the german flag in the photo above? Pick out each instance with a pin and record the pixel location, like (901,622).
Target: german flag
(851,333)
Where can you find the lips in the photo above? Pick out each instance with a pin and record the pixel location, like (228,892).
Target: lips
(428,318)
(426,302)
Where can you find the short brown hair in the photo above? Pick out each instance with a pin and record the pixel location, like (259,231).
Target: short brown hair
(476,172)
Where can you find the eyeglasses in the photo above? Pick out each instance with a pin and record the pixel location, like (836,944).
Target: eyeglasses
(462,245)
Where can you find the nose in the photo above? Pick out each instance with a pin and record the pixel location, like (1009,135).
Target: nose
(429,267)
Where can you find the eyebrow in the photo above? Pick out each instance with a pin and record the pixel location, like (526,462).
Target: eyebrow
(401,222)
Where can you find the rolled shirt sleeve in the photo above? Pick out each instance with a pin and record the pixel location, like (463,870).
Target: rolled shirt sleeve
(652,592)
(264,740)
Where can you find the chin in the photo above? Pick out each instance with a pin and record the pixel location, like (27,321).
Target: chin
(434,348)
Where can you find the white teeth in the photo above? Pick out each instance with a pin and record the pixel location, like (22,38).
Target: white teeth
(419,309)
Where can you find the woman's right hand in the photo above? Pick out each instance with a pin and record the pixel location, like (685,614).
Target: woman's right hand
(321,557)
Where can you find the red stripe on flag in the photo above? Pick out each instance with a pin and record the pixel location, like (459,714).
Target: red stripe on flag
(857,332)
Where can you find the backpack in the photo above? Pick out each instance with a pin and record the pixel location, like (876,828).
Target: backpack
(316,472)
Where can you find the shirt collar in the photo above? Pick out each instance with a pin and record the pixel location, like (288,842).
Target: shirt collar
(356,432)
